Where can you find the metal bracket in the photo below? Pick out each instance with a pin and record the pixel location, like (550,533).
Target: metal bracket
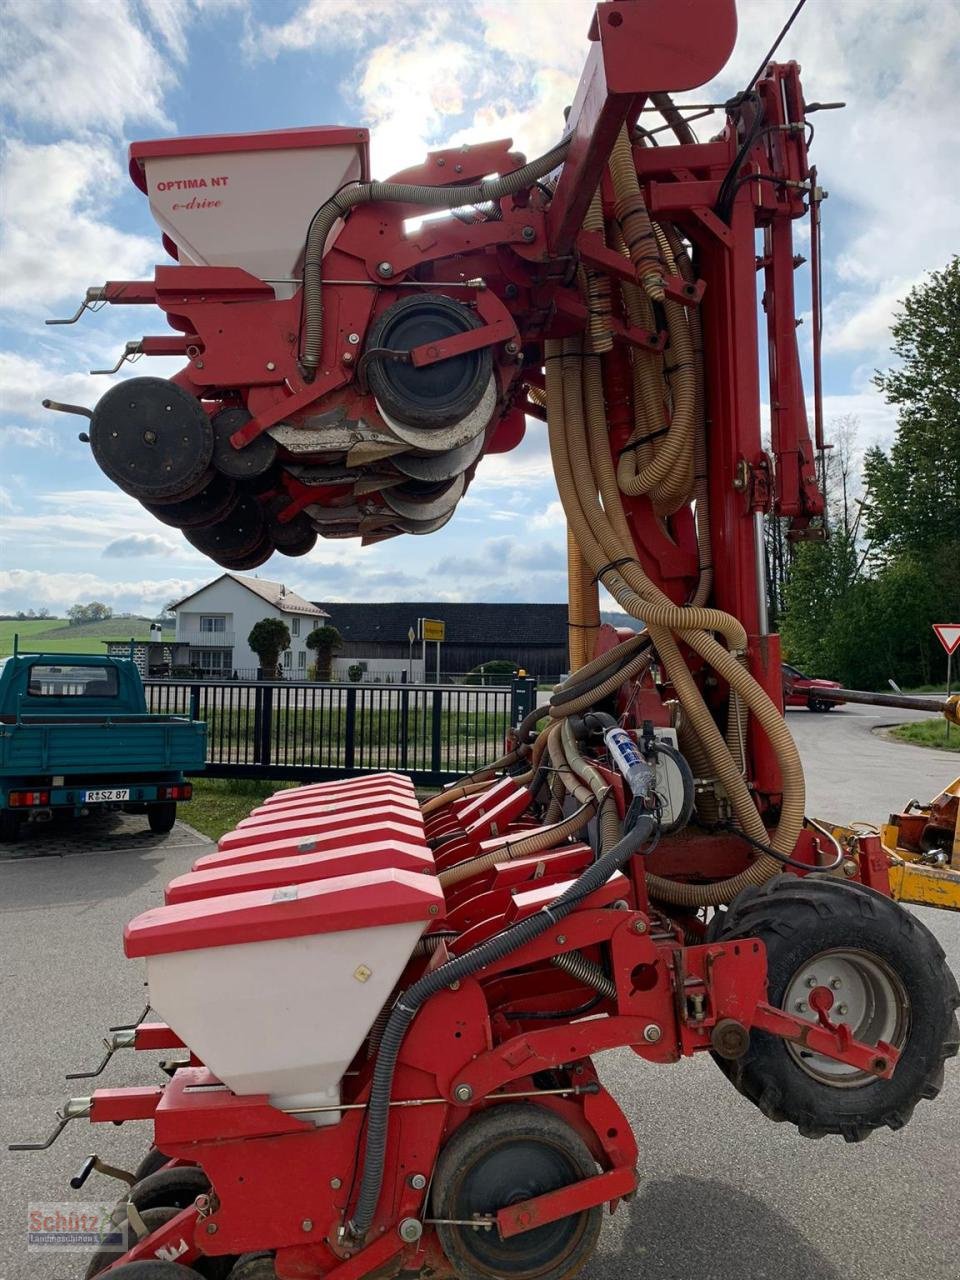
(96,297)
(72,1109)
(132,352)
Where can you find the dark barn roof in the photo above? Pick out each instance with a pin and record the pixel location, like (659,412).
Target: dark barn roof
(532,625)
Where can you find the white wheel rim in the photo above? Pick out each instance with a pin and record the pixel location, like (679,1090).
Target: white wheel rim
(868,997)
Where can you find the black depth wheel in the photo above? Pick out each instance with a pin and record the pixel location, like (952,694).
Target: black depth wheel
(241,464)
(235,536)
(215,501)
(152,1219)
(152,439)
(888,980)
(499,1157)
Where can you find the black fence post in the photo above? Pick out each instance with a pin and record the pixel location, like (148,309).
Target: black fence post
(349,746)
(435,727)
(262,724)
(194,702)
(404,728)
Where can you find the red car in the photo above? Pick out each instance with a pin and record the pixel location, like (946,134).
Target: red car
(802,691)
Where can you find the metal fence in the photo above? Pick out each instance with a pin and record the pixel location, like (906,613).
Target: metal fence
(317,731)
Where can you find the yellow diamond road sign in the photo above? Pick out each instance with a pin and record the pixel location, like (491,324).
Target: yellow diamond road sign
(432,629)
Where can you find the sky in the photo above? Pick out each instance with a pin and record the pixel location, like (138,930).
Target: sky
(81,79)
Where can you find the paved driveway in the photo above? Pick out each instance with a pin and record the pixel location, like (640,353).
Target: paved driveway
(725,1195)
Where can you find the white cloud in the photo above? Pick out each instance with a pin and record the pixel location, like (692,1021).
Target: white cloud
(56,241)
(24,588)
(25,383)
(138,544)
(73,66)
(28,438)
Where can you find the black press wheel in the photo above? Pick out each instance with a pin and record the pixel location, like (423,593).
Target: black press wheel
(162,816)
(884,976)
(255,459)
(151,1162)
(152,439)
(253,1266)
(175,1188)
(499,1157)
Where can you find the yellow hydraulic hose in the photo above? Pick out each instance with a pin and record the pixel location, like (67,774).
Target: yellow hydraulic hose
(583,608)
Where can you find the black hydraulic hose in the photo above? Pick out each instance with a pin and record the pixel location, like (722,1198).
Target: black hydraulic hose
(413,999)
(572,689)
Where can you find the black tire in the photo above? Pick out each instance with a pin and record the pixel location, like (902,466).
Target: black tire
(154,1269)
(162,816)
(501,1156)
(152,1218)
(9,826)
(819,704)
(253,1266)
(175,1188)
(813,923)
(151,1163)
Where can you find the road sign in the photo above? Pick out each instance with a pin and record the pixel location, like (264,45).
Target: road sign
(432,629)
(948,633)
(411,635)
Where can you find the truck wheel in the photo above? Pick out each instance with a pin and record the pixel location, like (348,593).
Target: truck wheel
(9,826)
(501,1156)
(889,981)
(162,816)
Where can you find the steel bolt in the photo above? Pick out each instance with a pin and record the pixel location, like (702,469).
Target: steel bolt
(528,234)
(836,983)
(561,939)
(433,909)
(211,1228)
(418,1181)
(652,1033)
(512,348)
(271,366)
(384,268)
(849,868)
(347,358)
(353,338)
(801,1006)
(811,983)
(336,1184)
(841,1009)
(411,1229)
(306,1224)
(463,1093)
(455,986)
(639,926)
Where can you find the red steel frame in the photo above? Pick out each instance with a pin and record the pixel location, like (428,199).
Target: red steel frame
(280,1183)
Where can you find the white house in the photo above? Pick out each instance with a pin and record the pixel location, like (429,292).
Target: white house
(216,620)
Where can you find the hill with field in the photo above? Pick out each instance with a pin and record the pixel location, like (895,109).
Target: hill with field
(56,635)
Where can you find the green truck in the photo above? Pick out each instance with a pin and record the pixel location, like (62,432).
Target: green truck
(76,736)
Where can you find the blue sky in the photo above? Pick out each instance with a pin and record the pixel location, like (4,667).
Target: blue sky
(82,78)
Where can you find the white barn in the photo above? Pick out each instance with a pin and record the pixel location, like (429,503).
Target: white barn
(216,620)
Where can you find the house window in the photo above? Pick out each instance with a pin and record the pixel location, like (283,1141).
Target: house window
(287,658)
(302,659)
(210,623)
(295,625)
(213,660)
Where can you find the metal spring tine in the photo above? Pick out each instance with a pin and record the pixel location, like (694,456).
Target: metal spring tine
(132,352)
(60,407)
(94,295)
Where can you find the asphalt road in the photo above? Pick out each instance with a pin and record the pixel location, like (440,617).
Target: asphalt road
(725,1195)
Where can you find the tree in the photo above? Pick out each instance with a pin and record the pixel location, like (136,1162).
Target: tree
(915,488)
(95,611)
(324,641)
(268,639)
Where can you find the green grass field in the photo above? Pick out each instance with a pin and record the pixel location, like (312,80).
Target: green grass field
(55,635)
(929,733)
(218,804)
